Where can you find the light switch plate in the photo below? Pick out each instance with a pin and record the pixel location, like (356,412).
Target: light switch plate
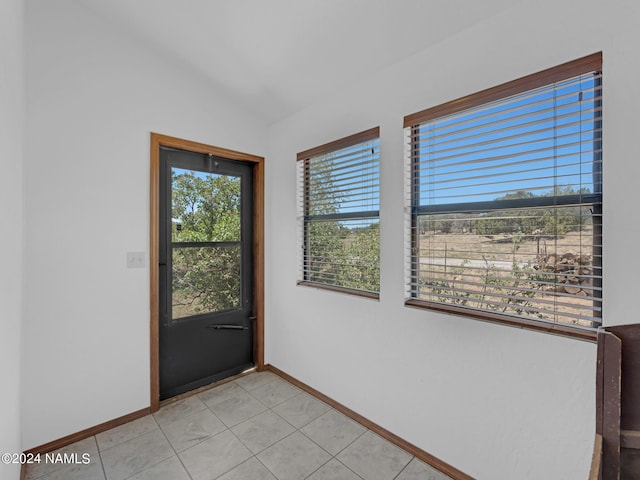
(135,259)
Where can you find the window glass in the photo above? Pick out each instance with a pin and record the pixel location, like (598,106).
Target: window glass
(505,212)
(339,214)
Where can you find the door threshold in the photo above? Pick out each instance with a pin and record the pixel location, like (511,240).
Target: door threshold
(204,388)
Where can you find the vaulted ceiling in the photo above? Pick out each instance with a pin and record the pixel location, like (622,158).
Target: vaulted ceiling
(275,57)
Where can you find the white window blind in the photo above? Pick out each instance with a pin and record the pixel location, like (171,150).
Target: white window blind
(338,214)
(505,207)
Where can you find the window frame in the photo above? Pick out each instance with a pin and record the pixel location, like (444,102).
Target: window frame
(584,65)
(304,217)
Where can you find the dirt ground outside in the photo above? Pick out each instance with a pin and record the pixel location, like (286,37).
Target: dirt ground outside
(532,276)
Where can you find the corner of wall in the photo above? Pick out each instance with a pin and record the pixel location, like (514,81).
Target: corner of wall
(12,110)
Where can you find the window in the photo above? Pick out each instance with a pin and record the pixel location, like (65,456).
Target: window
(505,204)
(338,213)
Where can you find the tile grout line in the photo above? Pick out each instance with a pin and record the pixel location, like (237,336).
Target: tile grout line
(184,467)
(271,409)
(158,427)
(104,471)
(333,457)
(305,478)
(299,430)
(229,428)
(172,448)
(367,430)
(154,464)
(404,468)
(100,450)
(267,468)
(199,442)
(284,438)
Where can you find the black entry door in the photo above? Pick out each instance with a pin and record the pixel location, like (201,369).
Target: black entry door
(206,269)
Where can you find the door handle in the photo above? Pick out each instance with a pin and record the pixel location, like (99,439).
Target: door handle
(227,327)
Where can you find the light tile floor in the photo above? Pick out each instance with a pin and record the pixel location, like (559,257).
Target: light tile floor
(257,427)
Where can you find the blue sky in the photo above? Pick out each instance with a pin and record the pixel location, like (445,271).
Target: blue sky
(521,143)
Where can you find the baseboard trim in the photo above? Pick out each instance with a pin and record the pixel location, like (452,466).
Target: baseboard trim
(417,452)
(89,432)
(116,422)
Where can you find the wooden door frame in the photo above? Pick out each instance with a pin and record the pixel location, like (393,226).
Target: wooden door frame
(157,141)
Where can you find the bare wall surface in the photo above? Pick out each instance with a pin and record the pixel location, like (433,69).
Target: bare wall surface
(93,96)
(11,141)
(496,402)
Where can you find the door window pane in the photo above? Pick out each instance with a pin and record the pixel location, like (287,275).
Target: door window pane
(205,207)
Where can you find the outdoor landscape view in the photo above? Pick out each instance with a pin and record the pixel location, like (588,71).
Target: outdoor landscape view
(205,237)
(535,263)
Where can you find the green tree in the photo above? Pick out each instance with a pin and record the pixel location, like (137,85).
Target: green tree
(205,208)
(361,267)
(339,252)
(542,220)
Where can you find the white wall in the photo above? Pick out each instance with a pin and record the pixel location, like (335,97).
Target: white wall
(494,401)
(11,141)
(93,97)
